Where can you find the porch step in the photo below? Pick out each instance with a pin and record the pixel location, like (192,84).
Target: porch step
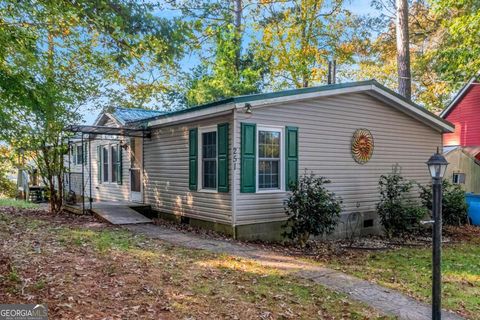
(119,214)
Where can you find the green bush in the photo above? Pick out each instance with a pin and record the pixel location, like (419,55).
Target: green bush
(8,189)
(311,209)
(454,204)
(399,215)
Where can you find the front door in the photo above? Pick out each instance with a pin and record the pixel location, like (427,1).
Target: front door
(136,162)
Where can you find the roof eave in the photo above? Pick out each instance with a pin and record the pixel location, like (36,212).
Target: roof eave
(370,86)
(412,109)
(458,96)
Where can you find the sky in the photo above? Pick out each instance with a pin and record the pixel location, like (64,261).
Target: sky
(359,7)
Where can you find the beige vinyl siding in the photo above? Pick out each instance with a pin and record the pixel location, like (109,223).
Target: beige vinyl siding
(102,191)
(460,162)
(166,175)
(326,126)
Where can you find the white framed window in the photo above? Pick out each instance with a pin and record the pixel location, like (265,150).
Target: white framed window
(114,163)
(79,159)
(208,152)
(458,178)
(74,155)
(105,164)
(109,163)
(77,154)
(270,159)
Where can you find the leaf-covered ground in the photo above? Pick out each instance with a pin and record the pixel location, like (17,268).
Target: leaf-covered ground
(87,270)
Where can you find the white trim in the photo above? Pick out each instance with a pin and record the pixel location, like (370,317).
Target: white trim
(141,193)
(109,115)
(419,114)
(281,168)
(110,164)
(391,99)
(189,116)
(234,172)
(453,103)
(303,96)
(201,131)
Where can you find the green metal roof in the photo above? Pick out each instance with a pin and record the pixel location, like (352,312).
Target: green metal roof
(292,92)
(128,115)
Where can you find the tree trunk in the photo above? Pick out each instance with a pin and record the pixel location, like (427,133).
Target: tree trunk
(238,9)
(403,50)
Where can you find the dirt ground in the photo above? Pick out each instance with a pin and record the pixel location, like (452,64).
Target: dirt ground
(84,269)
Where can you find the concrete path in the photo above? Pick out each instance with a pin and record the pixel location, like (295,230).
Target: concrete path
(119,214)
(385,300)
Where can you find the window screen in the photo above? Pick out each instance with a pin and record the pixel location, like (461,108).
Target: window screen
(268,159)
(105,163)
(459,178)
(209,160)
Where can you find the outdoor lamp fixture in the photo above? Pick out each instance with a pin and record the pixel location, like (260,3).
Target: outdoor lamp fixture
(123,144)
(248,108)
(437,165)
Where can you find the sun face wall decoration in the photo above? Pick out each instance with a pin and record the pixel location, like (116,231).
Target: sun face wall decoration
(362,146)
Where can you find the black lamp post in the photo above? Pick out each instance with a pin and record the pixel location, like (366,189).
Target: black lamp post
(437,165)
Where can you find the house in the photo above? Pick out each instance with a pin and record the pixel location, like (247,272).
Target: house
(227,165)
(462,147)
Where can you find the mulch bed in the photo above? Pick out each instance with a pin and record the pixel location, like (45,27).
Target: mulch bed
(319,250)
(326,250)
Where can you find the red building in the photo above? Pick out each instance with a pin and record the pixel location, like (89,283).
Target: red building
(462,147)
(464,113)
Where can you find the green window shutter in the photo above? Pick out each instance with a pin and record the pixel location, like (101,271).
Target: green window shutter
(222,157)
(193,159)
(119,166)
(248,158)
(99,164)
(291,155)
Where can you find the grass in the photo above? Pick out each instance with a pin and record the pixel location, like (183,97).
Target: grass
(6,202)
(101,240)
(106,272)
(409,270)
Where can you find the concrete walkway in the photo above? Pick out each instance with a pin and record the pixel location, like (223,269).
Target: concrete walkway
(385,300)
(119,214)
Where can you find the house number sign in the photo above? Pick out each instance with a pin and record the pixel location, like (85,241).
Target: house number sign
(362,146)
(235,158)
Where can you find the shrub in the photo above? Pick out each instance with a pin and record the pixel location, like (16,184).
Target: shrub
(454,204)
(8,188)
(311,209)
(399,215)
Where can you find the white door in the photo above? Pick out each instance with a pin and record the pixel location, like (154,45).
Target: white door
(136,162)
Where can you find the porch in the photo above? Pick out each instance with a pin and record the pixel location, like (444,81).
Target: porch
(114,212)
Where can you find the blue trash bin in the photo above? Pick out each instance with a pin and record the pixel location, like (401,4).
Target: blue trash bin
(473,201)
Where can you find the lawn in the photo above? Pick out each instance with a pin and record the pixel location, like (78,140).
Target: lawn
(7,202)
(83,268)
(409,270)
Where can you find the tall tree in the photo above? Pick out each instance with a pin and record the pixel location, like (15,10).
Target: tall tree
(65,54)
(458,45)
(403,49)
(228,67)
(299,37)
(444,48)
(227,75)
